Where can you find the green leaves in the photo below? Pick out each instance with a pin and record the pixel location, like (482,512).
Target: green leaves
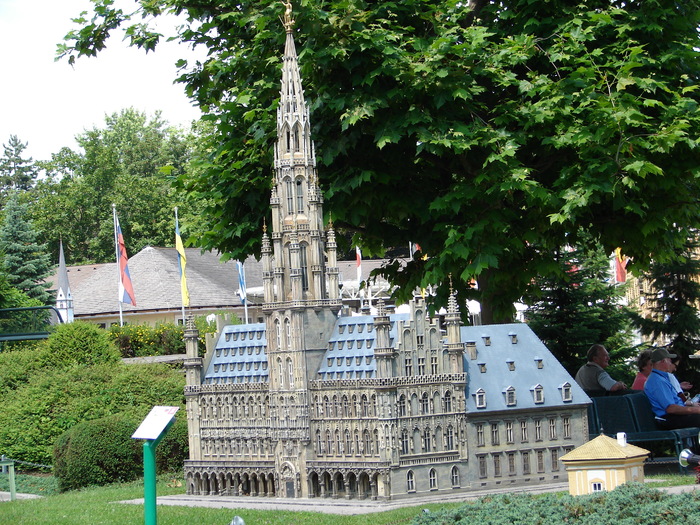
(467,132)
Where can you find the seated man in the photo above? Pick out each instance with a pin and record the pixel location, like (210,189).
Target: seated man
(670,410)
(592,376)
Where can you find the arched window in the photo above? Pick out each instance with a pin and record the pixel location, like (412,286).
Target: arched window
(346,407)
(338,443)
(449,438)
(289,190)
(448,401)
(287,334)
(455,477)
(432,478)
(300,196)
(364,406)
(328,406)
(303,262)
(290,372)
(329,442)
(278,334)
(368,442)
(319,442)
(297,137)
(424,404)
(404,441)
(427,441)
(402,405)
(410,481)
(348,442)
(280,371)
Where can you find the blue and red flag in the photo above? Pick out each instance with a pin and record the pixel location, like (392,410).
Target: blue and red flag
(126,289)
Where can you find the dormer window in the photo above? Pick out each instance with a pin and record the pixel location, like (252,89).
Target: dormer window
(487,340)
(539,363)
(566,392)
(511,365)
(513,338)
(538,394)
(510,396)
(482,367)
(480,398)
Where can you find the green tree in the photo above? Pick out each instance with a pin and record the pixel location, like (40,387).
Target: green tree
(16,172)
(25,262)
(490,133)
(130,162)
(673,302)
(581,305)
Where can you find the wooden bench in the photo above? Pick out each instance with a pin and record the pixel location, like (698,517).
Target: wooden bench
(632,414)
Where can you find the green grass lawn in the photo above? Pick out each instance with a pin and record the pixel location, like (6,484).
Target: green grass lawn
(97,505)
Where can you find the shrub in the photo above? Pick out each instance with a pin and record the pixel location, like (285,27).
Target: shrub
(631,503)
(78,343)
(102,451)
(174,449)
(163,339)
(17,366)
(97,452)
(53,401)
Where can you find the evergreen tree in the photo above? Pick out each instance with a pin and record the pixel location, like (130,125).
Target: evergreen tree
(579,305)
(25,262)
(16,172)
(673,303)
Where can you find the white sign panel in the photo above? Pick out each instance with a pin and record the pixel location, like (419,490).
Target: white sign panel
(155,422)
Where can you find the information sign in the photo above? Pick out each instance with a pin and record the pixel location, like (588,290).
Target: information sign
(156,421)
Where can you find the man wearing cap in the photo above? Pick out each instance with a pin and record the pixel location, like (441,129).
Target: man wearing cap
(592,376)
(670,410)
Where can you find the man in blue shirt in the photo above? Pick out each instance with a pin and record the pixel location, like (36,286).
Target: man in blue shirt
(670,410)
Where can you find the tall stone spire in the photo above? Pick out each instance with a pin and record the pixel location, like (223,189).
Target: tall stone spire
(297,265)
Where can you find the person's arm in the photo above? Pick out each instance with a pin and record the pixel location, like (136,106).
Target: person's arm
(682,410)
(608,383)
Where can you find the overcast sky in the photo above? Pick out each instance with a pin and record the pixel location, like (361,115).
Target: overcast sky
(47,103)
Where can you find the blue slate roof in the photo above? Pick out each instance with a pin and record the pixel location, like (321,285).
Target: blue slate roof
(510,356)
(350,353)
(240,356)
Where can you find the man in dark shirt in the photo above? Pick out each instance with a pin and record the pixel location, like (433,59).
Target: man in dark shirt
(592,376)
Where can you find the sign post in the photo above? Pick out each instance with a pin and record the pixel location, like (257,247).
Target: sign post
(10,464)
(152,430)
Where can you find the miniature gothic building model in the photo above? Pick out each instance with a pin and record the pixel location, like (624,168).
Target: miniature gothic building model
(310,404)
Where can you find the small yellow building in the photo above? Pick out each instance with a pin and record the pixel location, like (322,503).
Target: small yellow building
(604,463)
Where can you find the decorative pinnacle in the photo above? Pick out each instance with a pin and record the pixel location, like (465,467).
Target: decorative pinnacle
(288,20)
(264,225)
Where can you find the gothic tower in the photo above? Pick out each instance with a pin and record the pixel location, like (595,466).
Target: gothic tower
(300,289)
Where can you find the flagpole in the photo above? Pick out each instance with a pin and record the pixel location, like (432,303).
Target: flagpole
(116,251)
(242,289)
(177,229)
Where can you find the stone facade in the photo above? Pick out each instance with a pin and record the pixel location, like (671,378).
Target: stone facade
(312,403)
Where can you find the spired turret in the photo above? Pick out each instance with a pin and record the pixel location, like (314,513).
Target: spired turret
(296,258)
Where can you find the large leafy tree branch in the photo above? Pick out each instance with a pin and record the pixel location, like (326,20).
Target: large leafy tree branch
(488,133)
